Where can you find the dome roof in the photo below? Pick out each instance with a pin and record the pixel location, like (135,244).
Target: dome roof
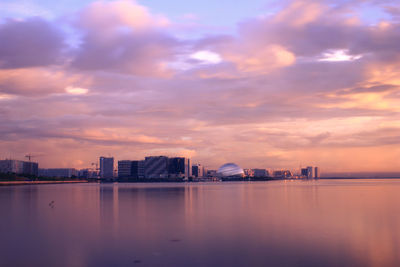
(230,169)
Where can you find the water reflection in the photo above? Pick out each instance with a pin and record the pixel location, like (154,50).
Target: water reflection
(292,223)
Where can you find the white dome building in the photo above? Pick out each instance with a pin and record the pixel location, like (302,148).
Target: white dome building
(230,170)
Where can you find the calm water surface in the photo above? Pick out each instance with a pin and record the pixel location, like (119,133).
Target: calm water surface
(279,223)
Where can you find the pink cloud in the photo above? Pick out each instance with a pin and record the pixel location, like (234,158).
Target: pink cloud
(266,102)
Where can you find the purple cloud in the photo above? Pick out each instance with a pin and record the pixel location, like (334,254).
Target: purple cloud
(30,43)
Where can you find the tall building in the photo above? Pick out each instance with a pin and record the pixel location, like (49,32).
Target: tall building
(106,168)
(316,172)
(156,167)
(188,168)
(197,170)
(19,167)
(310,172)
(135,169)
(176,167)
(307,172)
(141,168)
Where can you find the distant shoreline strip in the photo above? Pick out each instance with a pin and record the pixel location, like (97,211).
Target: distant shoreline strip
(6,183)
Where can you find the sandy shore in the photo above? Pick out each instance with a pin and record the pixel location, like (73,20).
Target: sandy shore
(3,183)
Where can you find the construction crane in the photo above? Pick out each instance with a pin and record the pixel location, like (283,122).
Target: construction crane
(29,156)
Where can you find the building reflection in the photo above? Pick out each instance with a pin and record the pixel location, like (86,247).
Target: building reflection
(136,209)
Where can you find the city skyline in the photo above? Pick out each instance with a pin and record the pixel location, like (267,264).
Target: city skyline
(271,83)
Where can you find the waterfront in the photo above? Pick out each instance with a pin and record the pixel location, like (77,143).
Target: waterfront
(290,223)
(7,183)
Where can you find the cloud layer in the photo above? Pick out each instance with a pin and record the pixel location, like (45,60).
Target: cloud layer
(312,83)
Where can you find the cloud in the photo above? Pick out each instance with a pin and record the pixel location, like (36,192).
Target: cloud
(122,36)
(301,12)
(261,97)
(116,14)
(29,43)
(256,58)
(338,55)
(76,90)
(38,81)
(206,57)
(25,9)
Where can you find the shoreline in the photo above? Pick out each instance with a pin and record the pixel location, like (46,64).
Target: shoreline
(7,183)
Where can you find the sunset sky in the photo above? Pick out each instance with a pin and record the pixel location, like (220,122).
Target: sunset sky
(264,84)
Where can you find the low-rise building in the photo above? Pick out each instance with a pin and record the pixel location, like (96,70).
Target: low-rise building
(259,173)
(248,172)
(282,174)
(19,167)
(59,172)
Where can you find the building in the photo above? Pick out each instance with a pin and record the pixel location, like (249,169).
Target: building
(248,172)
(88,174)
(156,167)
(176,167)
(141,168)
(282,174)
(135,169)
(19,167)
(230,170)
(59,172)
(107,167)
(30,168)
(316,172)
(11,166)
(307,172)
(197,170)
(310,172)
(129,169)
(188,169)
(211,173)
(124,169)
(259,173)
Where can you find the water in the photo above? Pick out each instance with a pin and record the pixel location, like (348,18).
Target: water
(277,223)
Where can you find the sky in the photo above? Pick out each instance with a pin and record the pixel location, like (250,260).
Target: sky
(264,84)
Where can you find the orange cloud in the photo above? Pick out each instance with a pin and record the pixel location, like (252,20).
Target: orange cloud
(255,58)
(123,13)
(301,12)
(38,81)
